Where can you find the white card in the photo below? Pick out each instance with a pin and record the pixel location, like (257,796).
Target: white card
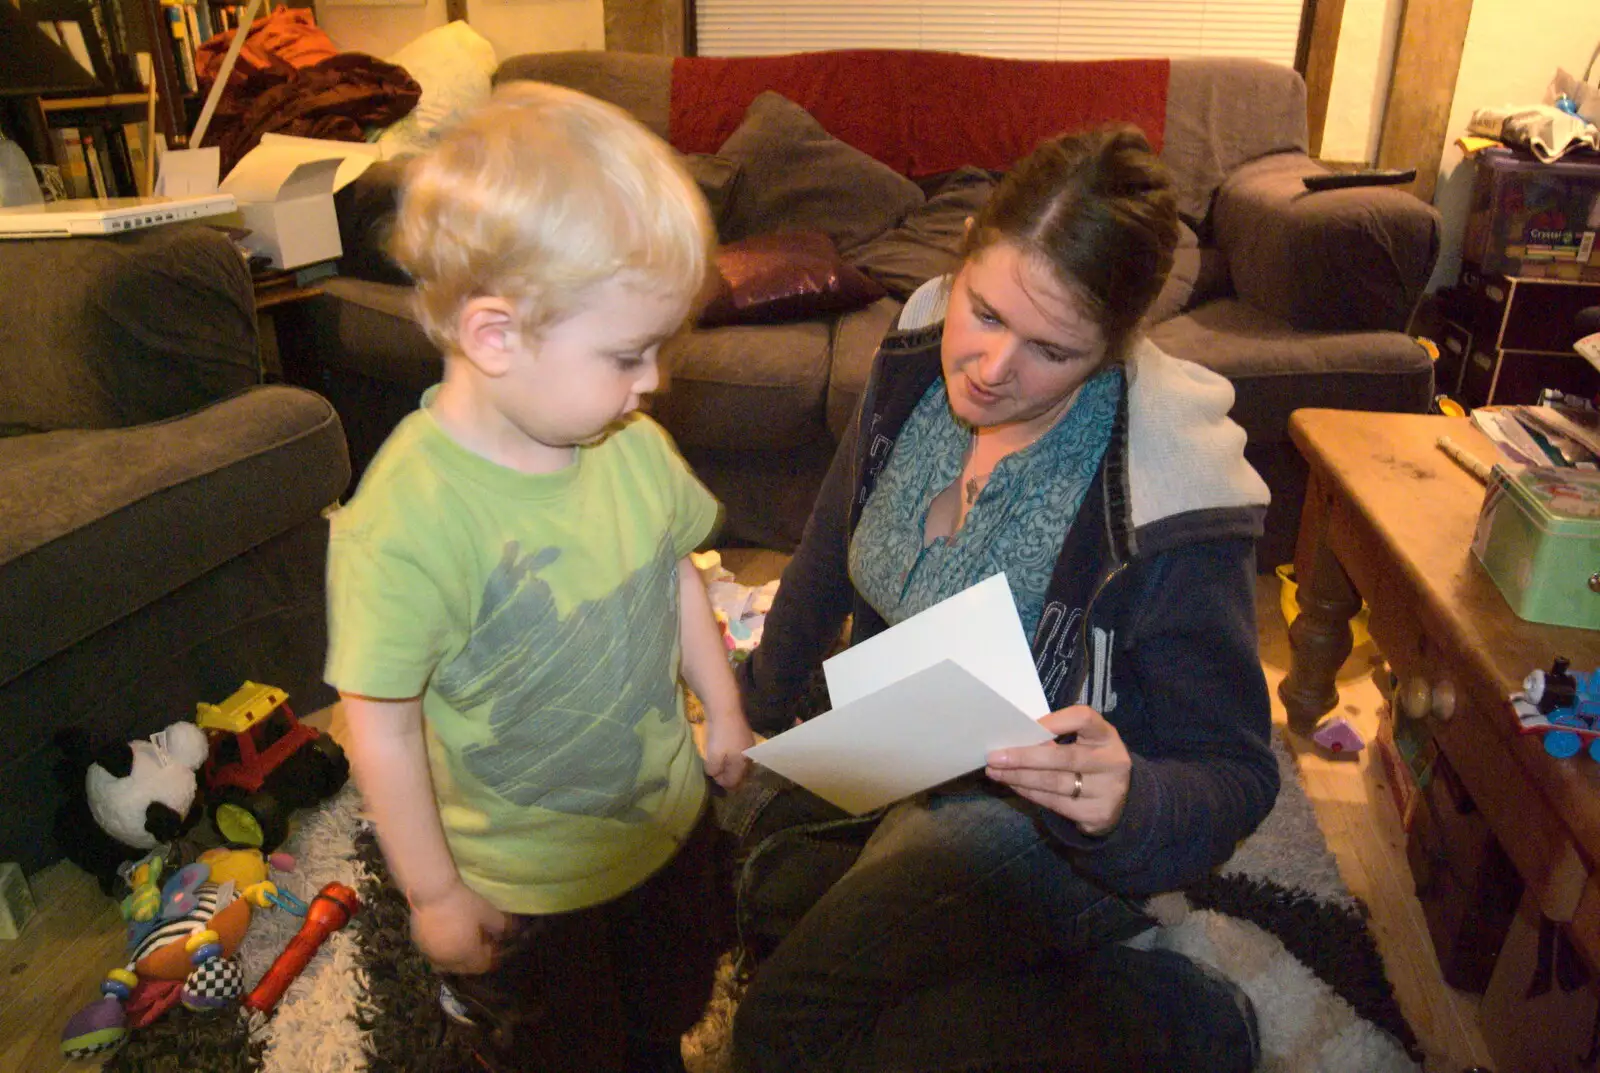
(920,731)
(978,628)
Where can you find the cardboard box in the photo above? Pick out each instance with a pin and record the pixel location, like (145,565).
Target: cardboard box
(288,207)
(1528,218)
(285,188)
(1538,536)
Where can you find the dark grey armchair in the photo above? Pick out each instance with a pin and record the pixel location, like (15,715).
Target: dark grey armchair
(161,510)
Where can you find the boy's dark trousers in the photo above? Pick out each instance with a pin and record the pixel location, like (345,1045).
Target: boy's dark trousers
(610,988)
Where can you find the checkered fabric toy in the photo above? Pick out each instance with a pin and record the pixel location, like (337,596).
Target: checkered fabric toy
(213,984)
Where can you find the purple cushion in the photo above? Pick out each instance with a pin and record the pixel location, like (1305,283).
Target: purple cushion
(784,276)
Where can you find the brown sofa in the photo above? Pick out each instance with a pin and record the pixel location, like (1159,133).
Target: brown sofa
(1300,298)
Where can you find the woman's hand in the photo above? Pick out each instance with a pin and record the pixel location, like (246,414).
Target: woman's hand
(457,929)
(728,735)
(1087,781)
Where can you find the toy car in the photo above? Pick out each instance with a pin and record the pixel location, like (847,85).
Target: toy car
(263,764)
(1562,706)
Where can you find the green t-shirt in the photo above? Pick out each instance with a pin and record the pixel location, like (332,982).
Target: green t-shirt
(537,616)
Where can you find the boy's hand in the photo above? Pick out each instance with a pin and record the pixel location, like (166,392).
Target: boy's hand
(457,930)
(727,737)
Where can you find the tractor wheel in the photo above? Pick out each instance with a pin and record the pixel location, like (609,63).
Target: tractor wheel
(251,820)
(313,774)
(330,767)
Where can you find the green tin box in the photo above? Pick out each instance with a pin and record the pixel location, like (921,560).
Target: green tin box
(1538,536)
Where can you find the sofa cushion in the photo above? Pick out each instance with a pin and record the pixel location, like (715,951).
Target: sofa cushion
(453,64)
(855,343)
(783,276)
(372,330)
(93,512)
(365,209)
(717,177)
(1277,369)
(1178,292)
(746,387)
(798,176)
(102,347)
(925,243)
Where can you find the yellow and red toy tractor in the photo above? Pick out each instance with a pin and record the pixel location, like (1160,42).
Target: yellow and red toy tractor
(263,764)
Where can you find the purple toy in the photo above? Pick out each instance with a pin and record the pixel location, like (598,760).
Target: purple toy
(1337,736)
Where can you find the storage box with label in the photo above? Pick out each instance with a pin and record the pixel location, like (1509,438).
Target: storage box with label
(1538,536)
(1528,218)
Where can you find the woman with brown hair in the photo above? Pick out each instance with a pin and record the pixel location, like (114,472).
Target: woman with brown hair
(1017,420)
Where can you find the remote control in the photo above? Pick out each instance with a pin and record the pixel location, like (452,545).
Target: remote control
(1338,180)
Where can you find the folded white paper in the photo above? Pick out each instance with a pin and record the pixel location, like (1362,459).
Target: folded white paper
(978,628)
(918,705)
(926,729)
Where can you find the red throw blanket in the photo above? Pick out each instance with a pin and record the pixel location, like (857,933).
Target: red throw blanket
(922,113)
(337,99)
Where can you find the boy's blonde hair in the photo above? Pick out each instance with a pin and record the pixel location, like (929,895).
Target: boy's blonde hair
(539,195)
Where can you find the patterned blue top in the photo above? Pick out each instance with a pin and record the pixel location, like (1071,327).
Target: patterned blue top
(1016,525)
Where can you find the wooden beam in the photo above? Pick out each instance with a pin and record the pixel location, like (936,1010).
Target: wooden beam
(1319,44)
(1422,87)
(649,26)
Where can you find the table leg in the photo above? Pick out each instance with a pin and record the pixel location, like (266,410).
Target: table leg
(1319,642)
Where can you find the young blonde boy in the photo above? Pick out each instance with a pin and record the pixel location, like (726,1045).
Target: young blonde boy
(510,596)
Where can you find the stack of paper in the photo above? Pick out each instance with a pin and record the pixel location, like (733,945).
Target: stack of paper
(1516,446)
(1579,426)
(1542,435)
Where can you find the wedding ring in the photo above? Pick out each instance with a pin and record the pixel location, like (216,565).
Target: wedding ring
(1077,785)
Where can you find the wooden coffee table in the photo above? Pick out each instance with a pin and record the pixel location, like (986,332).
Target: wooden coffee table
(1389,517)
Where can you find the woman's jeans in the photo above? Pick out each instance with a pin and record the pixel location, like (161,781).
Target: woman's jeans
(962,939)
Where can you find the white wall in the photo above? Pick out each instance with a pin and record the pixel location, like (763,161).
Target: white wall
(1512,51)
(512,26)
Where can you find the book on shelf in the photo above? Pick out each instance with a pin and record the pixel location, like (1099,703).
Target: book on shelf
(182,45)
(125,69)
(136,139)
(97,175)
(114,153)
(68,147)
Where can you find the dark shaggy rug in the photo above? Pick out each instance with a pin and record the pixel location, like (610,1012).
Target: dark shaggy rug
(1276,918)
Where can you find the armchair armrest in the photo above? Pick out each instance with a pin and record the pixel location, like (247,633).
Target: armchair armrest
(118,518)
(1334,260)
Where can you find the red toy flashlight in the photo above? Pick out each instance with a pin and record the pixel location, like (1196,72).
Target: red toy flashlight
(329,911)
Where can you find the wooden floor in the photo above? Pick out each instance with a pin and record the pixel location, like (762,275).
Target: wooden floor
(57,964)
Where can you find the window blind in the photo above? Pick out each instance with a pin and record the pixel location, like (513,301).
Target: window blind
(1021,29)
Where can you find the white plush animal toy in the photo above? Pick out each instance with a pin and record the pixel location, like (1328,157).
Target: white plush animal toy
(141,793)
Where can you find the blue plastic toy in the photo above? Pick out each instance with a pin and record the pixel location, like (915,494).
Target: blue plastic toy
(1564,707)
